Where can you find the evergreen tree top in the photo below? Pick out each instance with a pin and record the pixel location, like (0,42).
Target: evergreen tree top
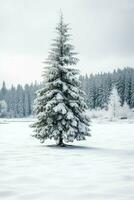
(62,52)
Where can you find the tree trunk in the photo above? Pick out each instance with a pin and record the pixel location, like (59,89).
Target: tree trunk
(61,141)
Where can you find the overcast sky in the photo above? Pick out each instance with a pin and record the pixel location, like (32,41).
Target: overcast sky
(102,32)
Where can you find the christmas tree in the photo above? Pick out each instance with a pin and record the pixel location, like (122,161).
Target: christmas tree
(60,105)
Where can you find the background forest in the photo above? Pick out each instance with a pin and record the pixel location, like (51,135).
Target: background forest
(18,101)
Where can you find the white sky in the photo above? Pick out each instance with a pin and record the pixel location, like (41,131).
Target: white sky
(102,32)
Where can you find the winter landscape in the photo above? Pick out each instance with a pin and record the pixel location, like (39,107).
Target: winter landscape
(102,167)
(67,125)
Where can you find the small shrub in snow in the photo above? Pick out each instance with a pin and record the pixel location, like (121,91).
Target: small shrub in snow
(97,113)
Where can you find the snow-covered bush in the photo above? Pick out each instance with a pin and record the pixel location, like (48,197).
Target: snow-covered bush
(60,105)
(125,111)
(97,113)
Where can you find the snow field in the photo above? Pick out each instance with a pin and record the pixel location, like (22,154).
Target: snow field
(100,168)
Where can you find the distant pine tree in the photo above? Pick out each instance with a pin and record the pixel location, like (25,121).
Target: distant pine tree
(132,91)
(20,101)
(26,100)
(60,106)
(3,92)
(12,103)
(125,110)
(114,106)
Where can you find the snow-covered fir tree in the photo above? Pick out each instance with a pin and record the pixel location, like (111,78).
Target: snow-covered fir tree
(3,108)
(119,80)
(3,92)
(26,101)
(114,106)
(20,101)
(132,91)
(125,110)
(12,103)
(91,93)
(127,90)
(60,106)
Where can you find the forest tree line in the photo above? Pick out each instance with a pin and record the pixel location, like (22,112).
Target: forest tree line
(98,87)
(19,100)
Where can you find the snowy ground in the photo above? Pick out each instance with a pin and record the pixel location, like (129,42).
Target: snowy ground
(101,168)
